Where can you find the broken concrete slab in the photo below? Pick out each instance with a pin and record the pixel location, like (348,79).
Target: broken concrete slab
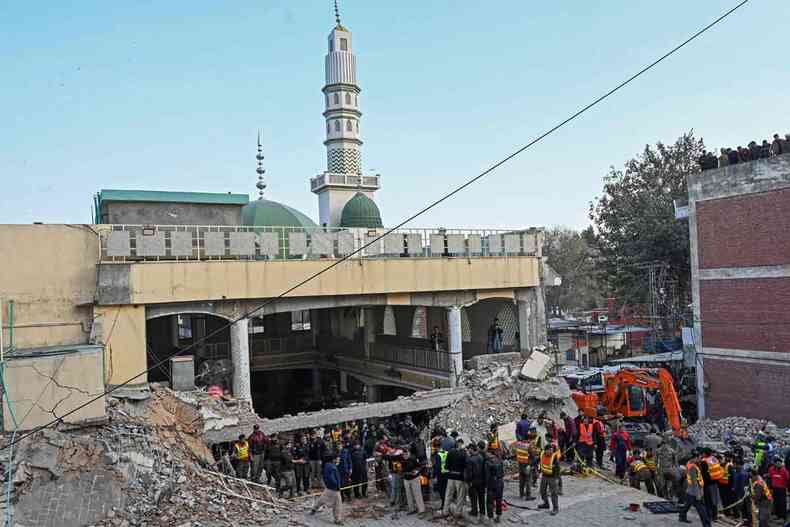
(537,367)
(483,361)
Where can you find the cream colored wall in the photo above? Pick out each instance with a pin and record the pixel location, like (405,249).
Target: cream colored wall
(49,271)
(122,331)
(33,396)
(160,282)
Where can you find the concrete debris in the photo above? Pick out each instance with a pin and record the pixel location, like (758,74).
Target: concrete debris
(495,394)
(719,433)
(537,367)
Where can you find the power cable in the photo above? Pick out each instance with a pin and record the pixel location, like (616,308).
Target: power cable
(422,211)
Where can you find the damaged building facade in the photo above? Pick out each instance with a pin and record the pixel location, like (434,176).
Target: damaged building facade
(739,221)
(199,275)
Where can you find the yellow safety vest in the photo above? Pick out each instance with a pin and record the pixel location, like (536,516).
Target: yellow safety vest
(522,453)
(714,469)
(766,489)
(651,463)
(442,462)
(725,479)
(493,441)
(690,482)
(547,463)
(242,450)
(638,465)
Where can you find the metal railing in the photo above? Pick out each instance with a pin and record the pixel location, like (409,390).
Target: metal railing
(276,345)
(345,180)
(419,357)
(132,243)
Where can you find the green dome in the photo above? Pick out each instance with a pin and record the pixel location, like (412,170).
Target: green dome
(265,213)
(361,211)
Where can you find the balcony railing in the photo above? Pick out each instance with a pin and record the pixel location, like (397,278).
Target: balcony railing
(132,243)
(419,357)
(345,180)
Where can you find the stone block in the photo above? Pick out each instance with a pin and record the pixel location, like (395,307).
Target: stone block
(537,366)
(182,373)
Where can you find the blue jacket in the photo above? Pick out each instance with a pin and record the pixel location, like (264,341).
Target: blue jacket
(345,461)
(522,429)
(331,476)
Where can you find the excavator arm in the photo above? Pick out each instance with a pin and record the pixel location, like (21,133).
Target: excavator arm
(617,397)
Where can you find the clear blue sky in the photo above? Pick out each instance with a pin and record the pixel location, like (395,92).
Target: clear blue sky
(169,95)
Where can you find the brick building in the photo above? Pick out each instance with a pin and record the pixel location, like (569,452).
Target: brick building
(739,221)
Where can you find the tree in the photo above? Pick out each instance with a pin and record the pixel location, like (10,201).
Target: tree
(635,221)
(569,254)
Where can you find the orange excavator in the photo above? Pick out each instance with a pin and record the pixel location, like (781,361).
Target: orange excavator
(625,393)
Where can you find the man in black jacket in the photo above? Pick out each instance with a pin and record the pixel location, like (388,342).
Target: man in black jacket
(476,481)
(315,454)
(495,484)
(456,489)
(359,471)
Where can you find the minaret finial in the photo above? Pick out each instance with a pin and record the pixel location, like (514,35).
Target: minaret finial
(261,185)
(337,14)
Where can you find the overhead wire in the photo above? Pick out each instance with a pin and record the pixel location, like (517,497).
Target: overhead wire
(422,211)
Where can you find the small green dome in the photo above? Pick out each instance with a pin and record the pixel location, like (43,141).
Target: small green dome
(361,211)
(265,213)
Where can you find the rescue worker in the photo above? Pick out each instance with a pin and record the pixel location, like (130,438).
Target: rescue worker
(568,437)
(440,470)
(301,468)
(495,484)
(475,479)
(241,457)
(619,446)
(455,495)
(585,444)
(694,492)
(762,498)
(599,438)
(331,495)
(760,448)
(779,478)
(272,458)
(666,470)
(725,483)
(359,471)
(534,456)
(411,482)
(287,480)
(712,472)
(550,475)
(493,438)
(395,459)
(521,450)
(638,472)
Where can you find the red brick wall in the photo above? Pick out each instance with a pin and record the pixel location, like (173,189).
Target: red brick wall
(744,231)
(755,390)
(748,314)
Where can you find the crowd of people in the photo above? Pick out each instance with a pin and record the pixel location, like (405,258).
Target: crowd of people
(744,154)
(467,480)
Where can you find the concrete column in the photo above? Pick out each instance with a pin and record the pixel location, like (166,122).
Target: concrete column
(373,393)
(240,355)
(541,336)
(343,382)
(523,312)
(317,382)
(455,343)
(174,331)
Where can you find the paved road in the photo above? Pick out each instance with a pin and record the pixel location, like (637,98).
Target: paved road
(587,502)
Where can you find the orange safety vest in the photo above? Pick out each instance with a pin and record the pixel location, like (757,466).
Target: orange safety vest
(714,469)
(766,489)
(690,482)
(522,452)
(586,433)
(725,479)
(242,449)
(547,463)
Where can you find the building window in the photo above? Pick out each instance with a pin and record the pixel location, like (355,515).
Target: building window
(184,327)
(348,126)
(348,98)
(300,320)
(255,326)
(336,99)
(337,125)
(343,44)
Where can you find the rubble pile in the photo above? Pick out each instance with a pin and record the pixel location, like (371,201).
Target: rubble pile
(500,393)
(740,429)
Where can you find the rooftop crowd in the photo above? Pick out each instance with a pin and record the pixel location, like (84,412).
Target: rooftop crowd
(741,154)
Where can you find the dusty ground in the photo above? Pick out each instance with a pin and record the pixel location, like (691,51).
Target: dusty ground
(587,502)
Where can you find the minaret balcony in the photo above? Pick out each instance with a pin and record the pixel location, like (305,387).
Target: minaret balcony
(349,181)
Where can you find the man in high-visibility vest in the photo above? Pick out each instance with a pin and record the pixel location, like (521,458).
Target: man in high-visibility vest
(694,492)
(585,443)
(520,450)
(241,456)
(761,500)
(712,472)
(639,472)
(550,475)
(493,439)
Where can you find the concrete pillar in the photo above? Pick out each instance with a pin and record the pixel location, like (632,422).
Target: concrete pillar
(525,334)
(174,331)
(455,343)
(343,382)
(541,336)
(240,356)
(317,382)
(373,393)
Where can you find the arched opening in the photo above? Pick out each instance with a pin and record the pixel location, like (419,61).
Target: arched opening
(170,334)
